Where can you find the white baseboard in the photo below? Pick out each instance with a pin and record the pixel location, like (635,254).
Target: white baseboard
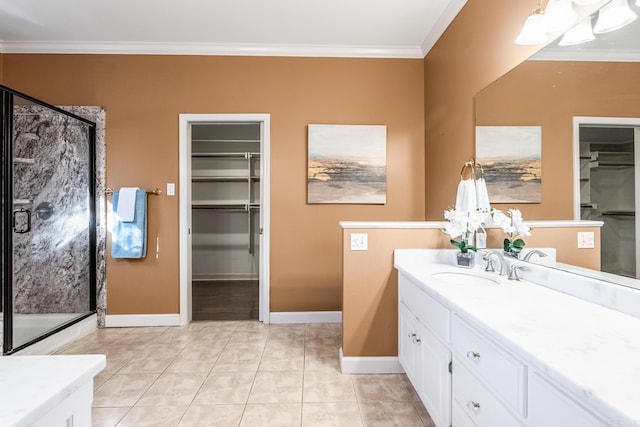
(137,320)
(305,317)
(58,340)
(370,365)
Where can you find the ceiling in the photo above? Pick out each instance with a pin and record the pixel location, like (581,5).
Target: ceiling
(352,28)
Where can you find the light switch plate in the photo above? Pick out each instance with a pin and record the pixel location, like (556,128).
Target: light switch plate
(586,240)
(171,189)
(359,241)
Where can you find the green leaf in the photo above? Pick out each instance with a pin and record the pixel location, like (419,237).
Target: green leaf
(517,245)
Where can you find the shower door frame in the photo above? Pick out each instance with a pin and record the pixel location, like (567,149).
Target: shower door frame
(6,124)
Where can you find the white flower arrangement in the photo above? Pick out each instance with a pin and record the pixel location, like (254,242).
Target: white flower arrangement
(512,224)
(464,224)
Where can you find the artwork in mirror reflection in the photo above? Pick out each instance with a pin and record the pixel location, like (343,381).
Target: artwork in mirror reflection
(347,164)
(511,157)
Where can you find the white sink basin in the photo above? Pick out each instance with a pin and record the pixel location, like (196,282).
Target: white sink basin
(464,276)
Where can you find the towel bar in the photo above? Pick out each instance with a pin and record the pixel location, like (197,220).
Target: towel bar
(157,192)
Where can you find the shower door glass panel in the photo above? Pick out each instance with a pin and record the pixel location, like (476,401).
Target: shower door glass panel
(51,220)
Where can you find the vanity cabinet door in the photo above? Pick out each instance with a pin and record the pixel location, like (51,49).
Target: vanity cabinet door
(407,351)
(434,386)
(550,407)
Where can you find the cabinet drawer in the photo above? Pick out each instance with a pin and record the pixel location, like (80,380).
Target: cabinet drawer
(430,312)
(500,371)
(550,407)
(458,416)
(477,402)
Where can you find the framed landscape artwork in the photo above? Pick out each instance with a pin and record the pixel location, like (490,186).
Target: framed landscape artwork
(511,157)
(347,164)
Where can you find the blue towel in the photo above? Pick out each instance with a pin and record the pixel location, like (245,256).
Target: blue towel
(129,239)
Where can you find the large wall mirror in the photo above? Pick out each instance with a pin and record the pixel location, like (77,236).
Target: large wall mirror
(586,98)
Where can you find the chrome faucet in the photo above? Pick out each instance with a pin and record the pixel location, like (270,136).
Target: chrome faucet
(528,256)
(504,266)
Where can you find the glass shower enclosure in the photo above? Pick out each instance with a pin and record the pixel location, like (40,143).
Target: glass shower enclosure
(48,219)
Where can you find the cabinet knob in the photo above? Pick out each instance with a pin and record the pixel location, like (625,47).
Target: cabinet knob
(472,355)
(473,406)
(412,335)
(416,340)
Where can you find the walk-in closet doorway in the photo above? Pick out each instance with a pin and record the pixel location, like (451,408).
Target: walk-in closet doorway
(224,217)
(607,183)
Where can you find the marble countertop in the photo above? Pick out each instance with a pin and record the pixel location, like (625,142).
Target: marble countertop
(441,224)
(591,350)
(30,386)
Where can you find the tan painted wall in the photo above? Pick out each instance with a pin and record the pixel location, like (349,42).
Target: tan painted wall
(143,96)
(370,292)
(525,95)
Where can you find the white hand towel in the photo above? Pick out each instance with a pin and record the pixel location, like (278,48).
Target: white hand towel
(127,204)
(483,197)
(466,196)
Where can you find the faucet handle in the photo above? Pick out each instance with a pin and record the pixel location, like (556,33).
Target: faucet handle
(489,266)
(513,271)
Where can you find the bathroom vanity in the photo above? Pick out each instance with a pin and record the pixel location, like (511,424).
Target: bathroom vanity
(48,391)
(482,350)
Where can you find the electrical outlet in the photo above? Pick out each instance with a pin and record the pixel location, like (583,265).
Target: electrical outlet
(359,241)
(586,240)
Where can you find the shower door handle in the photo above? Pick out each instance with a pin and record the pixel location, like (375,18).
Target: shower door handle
(25,227)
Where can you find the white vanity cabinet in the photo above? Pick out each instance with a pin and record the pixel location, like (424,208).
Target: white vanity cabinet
(523,354)
(423,325)
(489,383)
(550,407)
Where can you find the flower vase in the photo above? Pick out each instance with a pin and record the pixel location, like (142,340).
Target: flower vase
(465,259)
(511,254)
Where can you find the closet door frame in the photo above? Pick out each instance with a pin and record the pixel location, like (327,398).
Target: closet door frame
(185,122)
(633,122)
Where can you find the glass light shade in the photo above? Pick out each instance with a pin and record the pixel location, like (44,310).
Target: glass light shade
(637,2)
(585,2)
(559,15)
(581,33)
(533,31)
(614,15)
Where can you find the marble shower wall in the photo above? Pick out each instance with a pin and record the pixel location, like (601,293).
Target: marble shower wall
(51,263)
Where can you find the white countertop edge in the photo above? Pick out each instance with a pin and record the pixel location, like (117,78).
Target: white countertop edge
(441,224)
(78,369)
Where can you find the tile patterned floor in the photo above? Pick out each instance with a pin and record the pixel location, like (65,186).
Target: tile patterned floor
(239,373)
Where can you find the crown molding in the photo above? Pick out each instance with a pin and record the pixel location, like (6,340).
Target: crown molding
(127,48)
(446,17)
(594,55)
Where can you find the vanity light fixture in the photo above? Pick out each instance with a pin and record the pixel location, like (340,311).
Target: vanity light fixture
(559,15)
(534,30)
(614,15)
(581,33)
